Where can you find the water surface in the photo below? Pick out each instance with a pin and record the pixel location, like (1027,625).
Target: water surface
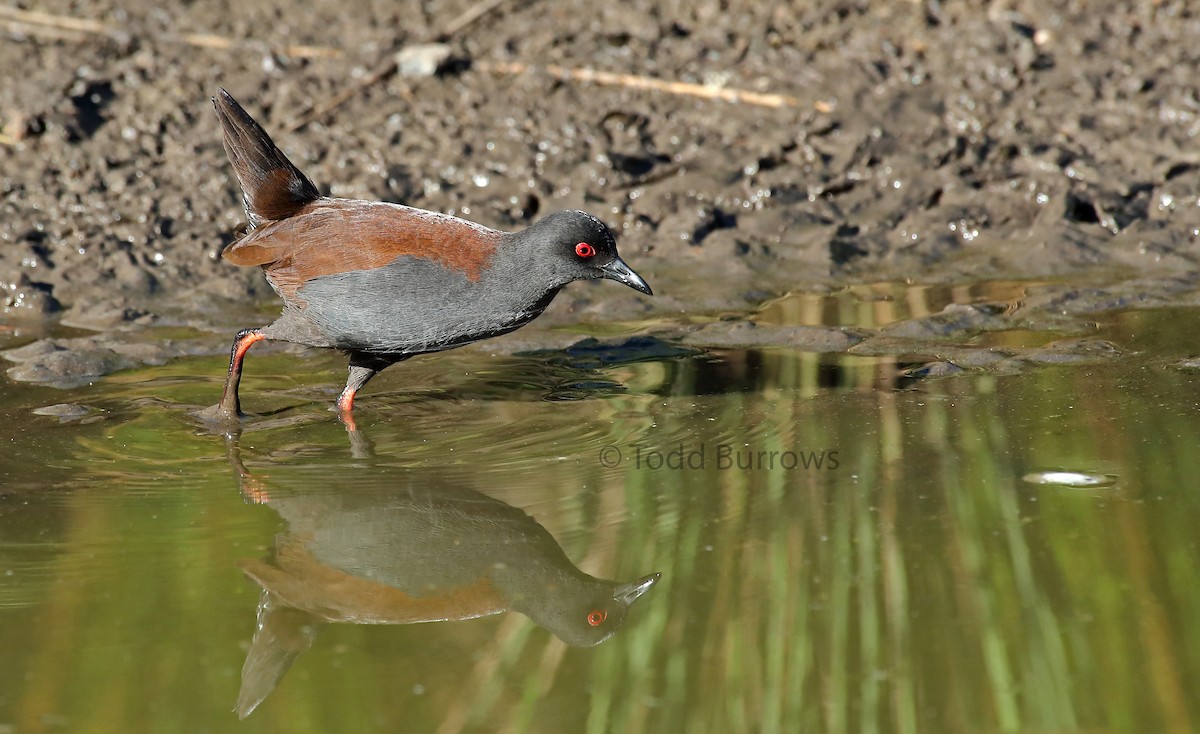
(840,548)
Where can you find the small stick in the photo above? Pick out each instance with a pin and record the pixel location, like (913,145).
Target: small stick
(35,17)
(67,28)
(19,28)
(389,65)
(313,52)
(207,40)
(61,27)
(632,81)
(472,14)
(386,69)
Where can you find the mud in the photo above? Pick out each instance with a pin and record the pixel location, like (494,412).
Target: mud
(928,142)
(72,362)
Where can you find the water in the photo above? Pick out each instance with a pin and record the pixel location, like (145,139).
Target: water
(909,578)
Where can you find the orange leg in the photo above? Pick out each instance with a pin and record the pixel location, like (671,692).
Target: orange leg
(230,405)
(345,402)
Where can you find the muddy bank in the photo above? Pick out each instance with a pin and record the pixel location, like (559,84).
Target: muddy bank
(918,141)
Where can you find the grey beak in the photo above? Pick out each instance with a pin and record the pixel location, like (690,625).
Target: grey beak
(617,270)
(628,593)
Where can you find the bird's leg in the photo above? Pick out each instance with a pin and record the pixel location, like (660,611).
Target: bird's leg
(363,367)
(230,406)
(359,375)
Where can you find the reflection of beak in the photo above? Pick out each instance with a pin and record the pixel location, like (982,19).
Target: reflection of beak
(628,593)
(617,270)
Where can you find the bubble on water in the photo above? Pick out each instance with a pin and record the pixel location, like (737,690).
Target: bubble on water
(1072,479)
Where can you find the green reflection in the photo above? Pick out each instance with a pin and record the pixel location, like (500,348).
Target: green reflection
(921,585)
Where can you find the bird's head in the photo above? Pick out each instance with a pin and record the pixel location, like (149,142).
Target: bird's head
(575,245)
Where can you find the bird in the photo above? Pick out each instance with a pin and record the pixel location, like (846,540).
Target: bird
(383,282)
(421,552)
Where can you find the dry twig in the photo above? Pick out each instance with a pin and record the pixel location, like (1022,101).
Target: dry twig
(207,40)
(21,30)
(389,65)
(61,22)
(632,81)
(67,28)
(58,27)
(472,14)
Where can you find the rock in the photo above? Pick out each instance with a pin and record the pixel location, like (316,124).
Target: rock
(967,358)
(32,350)
(24,297)
(1071,351)
(72,362)
(594,354)
(933,369)
(422,59)
(955,320)
(70,368)
(747,334)
(64,411)
(118,314)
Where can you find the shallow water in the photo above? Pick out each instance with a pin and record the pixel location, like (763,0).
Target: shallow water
(840,548)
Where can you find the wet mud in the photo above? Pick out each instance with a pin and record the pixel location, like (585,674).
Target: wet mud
(909,142)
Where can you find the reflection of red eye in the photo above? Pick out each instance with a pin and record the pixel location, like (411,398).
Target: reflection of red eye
(597,617)
(583,249)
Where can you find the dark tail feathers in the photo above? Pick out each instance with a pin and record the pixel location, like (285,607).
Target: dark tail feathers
(272,187)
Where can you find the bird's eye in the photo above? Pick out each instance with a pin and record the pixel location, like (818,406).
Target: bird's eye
(597,616)
(583,249)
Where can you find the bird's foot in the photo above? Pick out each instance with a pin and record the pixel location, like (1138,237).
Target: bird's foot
(221,416)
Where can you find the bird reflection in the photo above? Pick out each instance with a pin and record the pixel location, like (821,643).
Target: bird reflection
(415,554)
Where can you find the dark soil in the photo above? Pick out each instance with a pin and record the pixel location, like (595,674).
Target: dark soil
(930,142)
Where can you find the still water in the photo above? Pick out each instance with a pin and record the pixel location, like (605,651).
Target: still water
(840,549)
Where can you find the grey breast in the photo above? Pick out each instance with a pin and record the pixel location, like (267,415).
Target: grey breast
(415,305)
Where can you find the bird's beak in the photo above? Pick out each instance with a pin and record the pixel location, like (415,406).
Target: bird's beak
(617,270)
(628,593)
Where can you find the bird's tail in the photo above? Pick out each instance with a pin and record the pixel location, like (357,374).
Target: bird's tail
(272,187)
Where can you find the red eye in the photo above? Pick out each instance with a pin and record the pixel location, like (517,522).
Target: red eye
(583,249)
(597,616)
